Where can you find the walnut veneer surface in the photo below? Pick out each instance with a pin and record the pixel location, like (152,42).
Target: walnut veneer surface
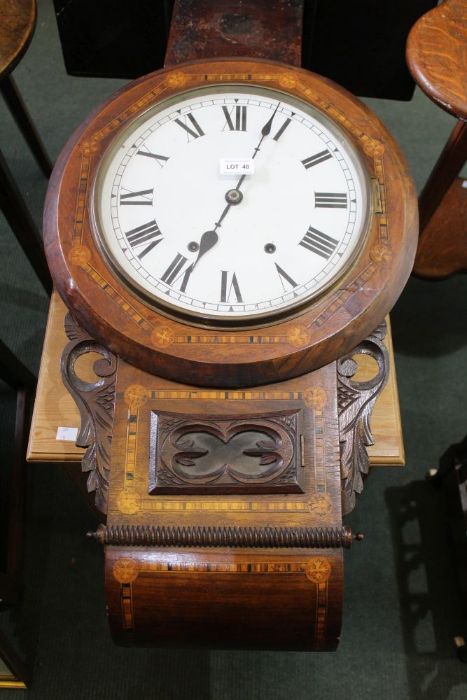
(55,407)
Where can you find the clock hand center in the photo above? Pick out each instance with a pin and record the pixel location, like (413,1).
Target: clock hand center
(234,196)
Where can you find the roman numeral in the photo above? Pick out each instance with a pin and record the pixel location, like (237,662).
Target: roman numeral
(193,133)
(175,272)
(284,277)
(140,198)
(282,129)
(160,160)
(319,243)
(228,286)
(331,200)
(146,233)
(317,158)
(240,118)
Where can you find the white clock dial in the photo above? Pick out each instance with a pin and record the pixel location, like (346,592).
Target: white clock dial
(231,203)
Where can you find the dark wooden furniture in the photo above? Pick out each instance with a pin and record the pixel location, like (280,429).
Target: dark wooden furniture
(13,483)
(437,58)
(19,378)
(227,558)
(17,23)
(330,327)
(359,43)
(13,673)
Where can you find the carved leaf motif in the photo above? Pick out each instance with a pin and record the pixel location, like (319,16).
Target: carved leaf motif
(96,401)
(356,400)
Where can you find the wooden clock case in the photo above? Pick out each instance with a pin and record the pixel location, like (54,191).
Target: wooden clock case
(249,552)
(279,349)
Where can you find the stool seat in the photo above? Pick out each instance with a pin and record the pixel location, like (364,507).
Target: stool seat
(17,23)
(18,19)
(437,56)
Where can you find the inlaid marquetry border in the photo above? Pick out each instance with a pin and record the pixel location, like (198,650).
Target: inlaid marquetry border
(318,570)
(372,147)
(279,347)
(129,500)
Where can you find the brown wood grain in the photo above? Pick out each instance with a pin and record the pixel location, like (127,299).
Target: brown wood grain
(325,329)
(437,55)
(236,28)
(445,171)
(443,248)
(55,407)
(225,598)
(140,397)
(17,22)
(437,58)
(266,593)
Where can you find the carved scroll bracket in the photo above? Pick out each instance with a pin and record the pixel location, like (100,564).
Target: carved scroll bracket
(96,402)
(356,400)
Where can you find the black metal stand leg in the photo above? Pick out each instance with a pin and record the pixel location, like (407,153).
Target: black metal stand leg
(25,124)
(17,214)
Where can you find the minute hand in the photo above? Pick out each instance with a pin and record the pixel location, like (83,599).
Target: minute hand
(265,131)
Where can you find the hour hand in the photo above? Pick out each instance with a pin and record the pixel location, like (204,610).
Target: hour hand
(208,241)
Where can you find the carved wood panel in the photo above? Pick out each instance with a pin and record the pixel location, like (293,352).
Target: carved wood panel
(213,454)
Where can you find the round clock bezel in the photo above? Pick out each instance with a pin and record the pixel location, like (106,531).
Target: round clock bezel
(199,317)
(320,332)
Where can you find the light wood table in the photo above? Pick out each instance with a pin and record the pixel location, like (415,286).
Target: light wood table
(54,407)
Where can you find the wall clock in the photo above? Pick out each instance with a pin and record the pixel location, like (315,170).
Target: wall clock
(226,233)
(167,246)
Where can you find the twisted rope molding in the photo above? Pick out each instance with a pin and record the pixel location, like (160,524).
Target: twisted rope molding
(201,536)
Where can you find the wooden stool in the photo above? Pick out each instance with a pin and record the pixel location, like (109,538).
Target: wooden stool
(18,18)
(437,59)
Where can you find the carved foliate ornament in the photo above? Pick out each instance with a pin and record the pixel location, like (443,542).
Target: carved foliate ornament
(96,401)
(356,400)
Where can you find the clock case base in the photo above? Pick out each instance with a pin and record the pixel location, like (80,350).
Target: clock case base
(224,507)
(253,599)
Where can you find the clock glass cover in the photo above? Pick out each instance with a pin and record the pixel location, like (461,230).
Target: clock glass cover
(231,204)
